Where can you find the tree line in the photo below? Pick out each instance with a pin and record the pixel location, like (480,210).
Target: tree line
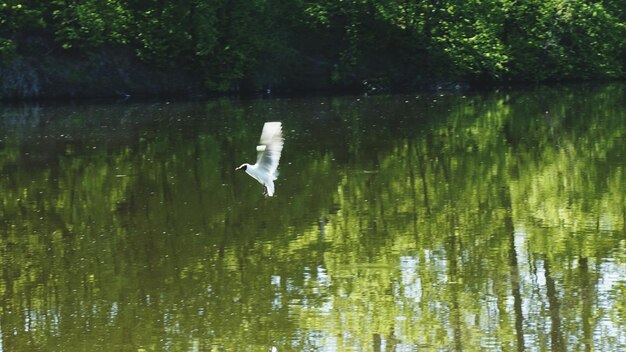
(227,45)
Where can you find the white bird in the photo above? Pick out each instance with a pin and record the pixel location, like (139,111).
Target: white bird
(269,149)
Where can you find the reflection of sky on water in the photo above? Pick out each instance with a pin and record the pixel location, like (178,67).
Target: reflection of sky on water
(411,284)
(612,275)
(408,295)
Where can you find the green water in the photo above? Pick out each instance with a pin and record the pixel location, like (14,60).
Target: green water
(492,221)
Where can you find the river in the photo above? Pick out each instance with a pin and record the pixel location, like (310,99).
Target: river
(476,221)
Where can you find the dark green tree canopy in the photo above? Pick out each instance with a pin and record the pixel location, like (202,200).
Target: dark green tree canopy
(251,44)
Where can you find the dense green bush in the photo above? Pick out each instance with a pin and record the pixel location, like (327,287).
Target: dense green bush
(251,44)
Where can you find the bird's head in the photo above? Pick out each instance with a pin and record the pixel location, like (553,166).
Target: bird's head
(242,167)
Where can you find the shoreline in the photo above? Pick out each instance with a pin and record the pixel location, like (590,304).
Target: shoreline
(110,75)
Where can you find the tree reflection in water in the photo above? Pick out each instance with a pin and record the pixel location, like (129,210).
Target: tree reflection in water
(491,221)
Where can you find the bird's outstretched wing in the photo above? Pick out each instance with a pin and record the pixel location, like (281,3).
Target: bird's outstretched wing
(270,147)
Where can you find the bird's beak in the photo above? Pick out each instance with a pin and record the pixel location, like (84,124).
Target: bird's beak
(240,167)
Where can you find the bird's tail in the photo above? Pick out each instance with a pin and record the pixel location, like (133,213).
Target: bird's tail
(269,186)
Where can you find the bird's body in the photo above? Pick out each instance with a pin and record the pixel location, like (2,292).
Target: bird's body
(268,155)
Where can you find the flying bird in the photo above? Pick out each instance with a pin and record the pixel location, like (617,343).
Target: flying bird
(268,155)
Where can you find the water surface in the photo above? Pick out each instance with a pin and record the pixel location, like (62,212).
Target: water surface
(488,221)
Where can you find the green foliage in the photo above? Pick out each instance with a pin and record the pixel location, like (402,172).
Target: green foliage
(90,24)
(469,34)
(7,49)
(248,44)
(564,39)
(240,35)
(15,17)
(157,34)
